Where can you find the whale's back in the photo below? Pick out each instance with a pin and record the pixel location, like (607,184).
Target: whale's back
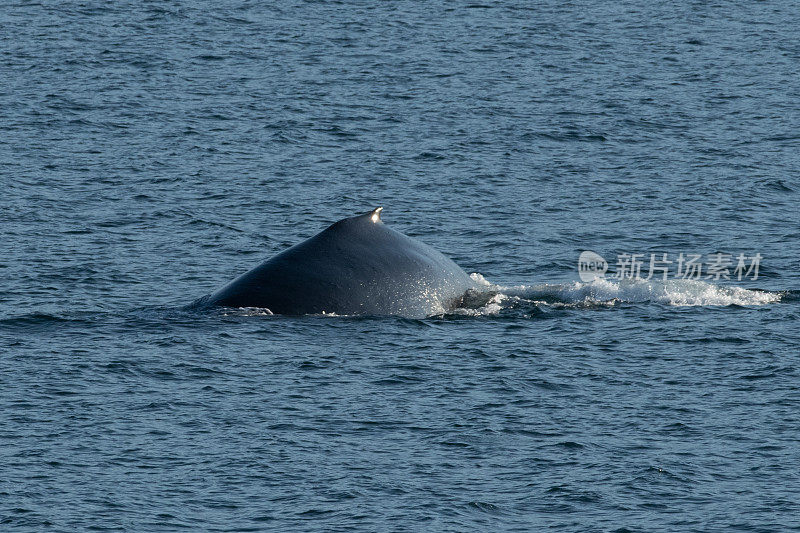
(356,266)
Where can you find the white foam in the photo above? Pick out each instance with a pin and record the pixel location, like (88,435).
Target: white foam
(478,278)
(679,292)
(493,307)
(247,311)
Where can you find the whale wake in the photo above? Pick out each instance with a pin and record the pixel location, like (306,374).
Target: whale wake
(494,299)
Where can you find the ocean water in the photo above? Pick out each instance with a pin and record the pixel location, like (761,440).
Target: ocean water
(152,151)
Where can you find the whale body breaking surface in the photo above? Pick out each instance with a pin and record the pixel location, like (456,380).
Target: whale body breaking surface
(357,266)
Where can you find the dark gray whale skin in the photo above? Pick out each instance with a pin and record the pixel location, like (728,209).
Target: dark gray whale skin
(357,266)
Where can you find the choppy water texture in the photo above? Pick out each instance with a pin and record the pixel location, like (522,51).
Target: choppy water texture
(150,152)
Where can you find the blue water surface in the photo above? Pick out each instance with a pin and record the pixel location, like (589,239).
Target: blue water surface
(152,151)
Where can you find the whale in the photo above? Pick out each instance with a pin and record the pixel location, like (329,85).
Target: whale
(356,266)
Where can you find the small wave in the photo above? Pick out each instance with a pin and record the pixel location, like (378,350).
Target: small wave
(37,320)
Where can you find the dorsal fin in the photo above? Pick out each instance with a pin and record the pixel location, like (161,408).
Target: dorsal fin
(373,216)
(363,220)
